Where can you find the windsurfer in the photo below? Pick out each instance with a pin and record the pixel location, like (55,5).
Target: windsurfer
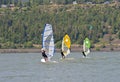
(62,54)
(44,54)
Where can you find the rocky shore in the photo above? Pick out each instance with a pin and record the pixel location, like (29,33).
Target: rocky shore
(19,50)
(57,50)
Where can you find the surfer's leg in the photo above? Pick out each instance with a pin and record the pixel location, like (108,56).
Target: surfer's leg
(63,57)
(84,54)
(46,59)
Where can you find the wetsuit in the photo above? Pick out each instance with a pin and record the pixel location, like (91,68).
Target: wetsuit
(84,54)
(63,56)
(44,55)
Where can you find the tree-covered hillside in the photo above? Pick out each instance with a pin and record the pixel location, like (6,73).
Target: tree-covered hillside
(21,27)
(38,2)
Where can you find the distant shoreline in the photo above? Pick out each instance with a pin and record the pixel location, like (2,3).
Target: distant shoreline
(57,50)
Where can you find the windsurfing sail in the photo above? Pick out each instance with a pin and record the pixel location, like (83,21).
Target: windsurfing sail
(86,47)
(66,44)
(48,40)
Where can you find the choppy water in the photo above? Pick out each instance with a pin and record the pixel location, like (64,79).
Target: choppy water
(26,67)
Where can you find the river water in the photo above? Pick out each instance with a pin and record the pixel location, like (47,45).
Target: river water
(26,67)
